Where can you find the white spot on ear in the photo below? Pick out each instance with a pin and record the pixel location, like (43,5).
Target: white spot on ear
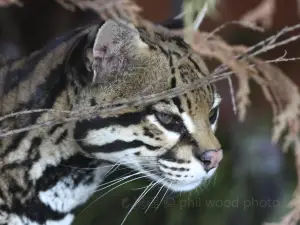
(188,122)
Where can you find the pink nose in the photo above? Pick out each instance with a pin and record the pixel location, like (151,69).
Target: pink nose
(211,159)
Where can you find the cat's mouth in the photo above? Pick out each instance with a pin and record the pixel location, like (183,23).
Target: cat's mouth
(177,183)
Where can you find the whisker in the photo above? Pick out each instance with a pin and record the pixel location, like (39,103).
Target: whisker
(110,165)
(140,188)
(85,168)
(110,191)
(215,179)
(112,169)
(123,183)
(163,196)
(119,180)
(138,200)
(155,195)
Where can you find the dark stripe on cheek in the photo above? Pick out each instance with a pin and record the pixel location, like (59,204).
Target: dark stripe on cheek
(124,120)
(83,127)
(116,146)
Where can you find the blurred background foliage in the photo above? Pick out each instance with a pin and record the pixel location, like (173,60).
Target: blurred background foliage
(255,180)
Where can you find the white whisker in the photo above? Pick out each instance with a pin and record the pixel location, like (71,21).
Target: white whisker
(111,170)
(156,194)
(138,200)
(110,191)
(163,197)
(119,180)
(85,168)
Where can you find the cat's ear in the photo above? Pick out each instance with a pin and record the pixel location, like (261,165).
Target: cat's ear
(117,48)
(117,39)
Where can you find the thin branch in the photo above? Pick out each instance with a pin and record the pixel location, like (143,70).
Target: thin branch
(245,24)
(266,45)
(115,107)
(232,95)
(262,14)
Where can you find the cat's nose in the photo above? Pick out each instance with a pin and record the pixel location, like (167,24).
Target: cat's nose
(210,159)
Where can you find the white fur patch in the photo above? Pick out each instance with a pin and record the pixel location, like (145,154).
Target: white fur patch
(188,122)
(140,43)
(124,157)
(63,199)
(66,195)
(114,133)
(65,221)
(17,220)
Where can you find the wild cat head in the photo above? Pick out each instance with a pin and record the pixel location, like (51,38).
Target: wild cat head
(171,141)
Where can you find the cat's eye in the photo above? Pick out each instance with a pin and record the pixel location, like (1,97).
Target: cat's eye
(164,117)
(213,115)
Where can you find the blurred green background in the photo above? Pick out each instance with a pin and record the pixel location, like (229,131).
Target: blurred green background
(255,180)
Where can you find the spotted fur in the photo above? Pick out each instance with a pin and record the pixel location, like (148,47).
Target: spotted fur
(42,180)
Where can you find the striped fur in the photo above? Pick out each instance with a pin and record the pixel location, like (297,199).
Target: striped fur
(41,179)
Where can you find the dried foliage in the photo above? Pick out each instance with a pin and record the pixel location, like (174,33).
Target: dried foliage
(282,94)
(115,9)
(262,14)
(4,3)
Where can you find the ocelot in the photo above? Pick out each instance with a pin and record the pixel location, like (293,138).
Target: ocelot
(171,141)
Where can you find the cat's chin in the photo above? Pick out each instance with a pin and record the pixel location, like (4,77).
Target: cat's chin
(180,186)
(184,187)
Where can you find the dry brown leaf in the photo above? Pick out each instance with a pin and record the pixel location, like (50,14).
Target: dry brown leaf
(10,2)
(262,14)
